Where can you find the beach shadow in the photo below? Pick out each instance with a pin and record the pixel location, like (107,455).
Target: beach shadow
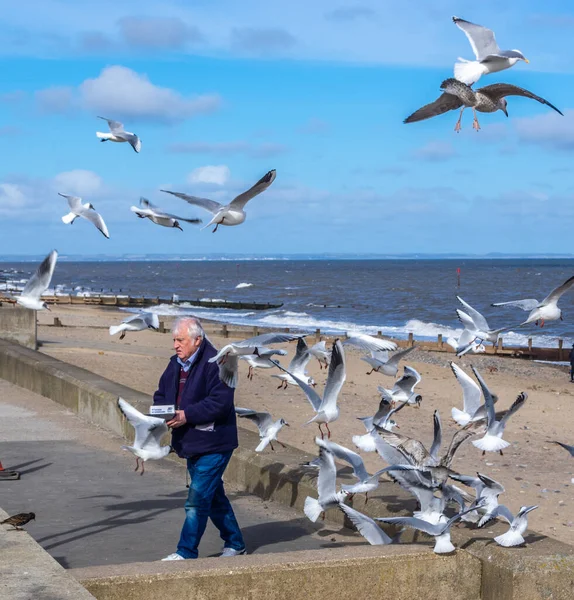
(34,469)
(22,465)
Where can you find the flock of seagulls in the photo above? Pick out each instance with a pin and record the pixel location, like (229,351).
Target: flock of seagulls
(458,92)
(426,474)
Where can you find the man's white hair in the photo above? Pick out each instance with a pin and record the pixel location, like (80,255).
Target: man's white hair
(190,325)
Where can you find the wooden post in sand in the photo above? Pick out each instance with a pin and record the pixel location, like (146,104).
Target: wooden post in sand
(379,334)
(57,322)
(411,340)
(224,331)
(255,330)
(439,341)
(161,328)
(499,344)
(560,351)
(317,335)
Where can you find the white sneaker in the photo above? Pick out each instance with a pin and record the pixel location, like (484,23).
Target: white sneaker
(232,552)
(174,556)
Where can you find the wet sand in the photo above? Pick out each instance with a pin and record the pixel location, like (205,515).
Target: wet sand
(532,470)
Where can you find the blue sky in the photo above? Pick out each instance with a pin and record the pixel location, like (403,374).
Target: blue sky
(220,92)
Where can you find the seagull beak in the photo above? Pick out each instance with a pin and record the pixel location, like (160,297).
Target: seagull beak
(287,424)
(526,60)
(505,111)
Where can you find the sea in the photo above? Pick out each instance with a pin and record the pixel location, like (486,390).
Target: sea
(393,296)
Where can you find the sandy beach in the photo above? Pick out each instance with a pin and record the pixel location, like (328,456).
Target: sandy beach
(532,470)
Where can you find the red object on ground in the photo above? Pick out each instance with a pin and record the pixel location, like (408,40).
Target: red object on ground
(1,467)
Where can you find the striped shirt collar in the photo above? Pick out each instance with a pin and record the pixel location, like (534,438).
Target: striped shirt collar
(186,365)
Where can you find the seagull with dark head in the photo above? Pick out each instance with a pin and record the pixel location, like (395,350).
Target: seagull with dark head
(159,217)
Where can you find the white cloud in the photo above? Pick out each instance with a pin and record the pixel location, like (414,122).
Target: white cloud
(78,182)
(351,13)
(261,41)
(121,91)
(11,197)
(217,174)
(263,150)
(550,130)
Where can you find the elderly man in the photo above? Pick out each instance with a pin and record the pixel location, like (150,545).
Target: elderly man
(204,432)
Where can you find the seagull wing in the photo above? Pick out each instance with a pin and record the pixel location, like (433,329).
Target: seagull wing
(443,104)
(566,447)
(368,342)
(133,140)
(143,425)
(95,218)
(347,455)
(311,394)
(470,391)
(336,377)
(150,319)
(527,304)
(366,526)
(327,479)
(488,399)
(518,403)
(241,200)
(478,319)
(466,320)
(115,126)
(210,205)
(458,438)
(145,203)
(408,381)
(267,338)
(74,202)
(262,419)
(414,523)
(555,294)
(301,357)
(177,218)
(496,91)
(481,39)
(397,356)
(413,450)
(437,438)
(40,280)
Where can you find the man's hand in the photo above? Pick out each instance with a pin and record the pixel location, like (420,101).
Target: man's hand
(178,420)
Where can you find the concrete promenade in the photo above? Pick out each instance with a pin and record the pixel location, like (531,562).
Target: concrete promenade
(92,509)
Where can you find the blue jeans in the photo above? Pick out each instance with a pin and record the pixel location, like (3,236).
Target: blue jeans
(207,499)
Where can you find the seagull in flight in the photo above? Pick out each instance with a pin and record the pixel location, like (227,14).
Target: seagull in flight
(119,134)
(368,343)
(489,57)
(232,213)
(149,432)
(488,99)
(228,357)
(38,284)
(367,527)
(320,352)
(137,322)
(159,217)
(268,429)
(513,537)
(404,389)
(326,408)
(297,366)
(381,363)
(540,312)
(87,211)
(473,410)
(479,325)
(492,440)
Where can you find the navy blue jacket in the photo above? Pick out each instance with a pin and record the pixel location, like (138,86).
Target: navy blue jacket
(205,399)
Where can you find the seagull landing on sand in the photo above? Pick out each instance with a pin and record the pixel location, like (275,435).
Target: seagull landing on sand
(118,134)
(158,216)
(232,213)
(38,284)
(137,322)
(547,310)
(149,431)
(486,99)
(268,429)
(87,211)
(489,57)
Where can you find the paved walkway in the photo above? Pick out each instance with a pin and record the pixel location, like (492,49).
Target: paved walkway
(92,509)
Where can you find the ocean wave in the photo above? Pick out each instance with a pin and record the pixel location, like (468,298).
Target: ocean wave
(243,285)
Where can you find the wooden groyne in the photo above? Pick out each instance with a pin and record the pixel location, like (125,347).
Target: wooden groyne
(143,301)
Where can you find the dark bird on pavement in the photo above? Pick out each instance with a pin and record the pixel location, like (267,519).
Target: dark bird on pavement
(18,520)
